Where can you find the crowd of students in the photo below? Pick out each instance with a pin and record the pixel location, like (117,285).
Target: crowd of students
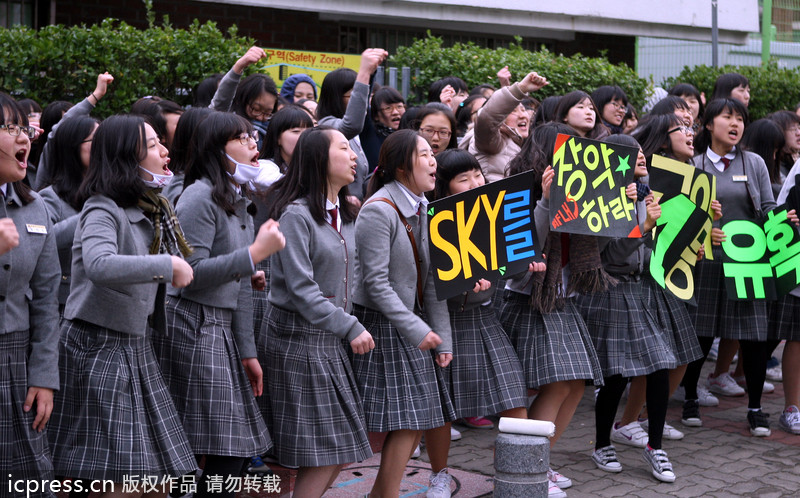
(252,278)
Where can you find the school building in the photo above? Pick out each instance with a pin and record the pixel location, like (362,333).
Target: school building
(349,26)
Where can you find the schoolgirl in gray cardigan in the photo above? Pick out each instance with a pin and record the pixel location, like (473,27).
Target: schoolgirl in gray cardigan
(315,411)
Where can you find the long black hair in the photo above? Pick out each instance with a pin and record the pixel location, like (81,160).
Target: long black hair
(536,152)
(117,149)
(181,152)
(652,134)
(210,160)
(307,178)
(331,96)
(396,158)
(765,138)
(12,113)
(572,99)
(65,151)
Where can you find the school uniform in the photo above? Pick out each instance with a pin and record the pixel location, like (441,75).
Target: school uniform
(401,386)
(114,416)
(625,332)
(485,376)
(784,313)
(715,314)
(553,346)
(210,330)
(316,413)
(28,335)
(64,219)
(673,317)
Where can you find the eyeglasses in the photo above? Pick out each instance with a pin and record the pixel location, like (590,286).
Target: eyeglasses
(393,107)
(685,129)
(259,112)
(617,106)
(430,132)
(14,130)
(245,138)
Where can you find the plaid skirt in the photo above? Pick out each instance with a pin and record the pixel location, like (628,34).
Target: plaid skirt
(626,335)
(485,376)
(497,297)
(24,452)
(315,408)
(784,319)
(400,385)
(260,301)
(673,317)
(113,416)
(718,316)
(204,372)
(553,347)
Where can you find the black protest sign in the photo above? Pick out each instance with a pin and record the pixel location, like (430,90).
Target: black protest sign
(486,232)
(685,194)
(588,192)
(761,259)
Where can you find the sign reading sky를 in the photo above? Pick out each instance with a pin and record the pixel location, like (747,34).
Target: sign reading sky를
(486,232)
(761,260)
(588,192)
(685,194)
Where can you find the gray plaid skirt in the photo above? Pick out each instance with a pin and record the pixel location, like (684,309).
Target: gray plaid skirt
(24,452)
(718,316)
(485,376)
(626,335)
(114,416)
(315,412)
(553,347)
(204,372)
(784,319)
(400,385)
(673,317)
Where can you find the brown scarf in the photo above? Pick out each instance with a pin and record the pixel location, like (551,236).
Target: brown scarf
(169,237)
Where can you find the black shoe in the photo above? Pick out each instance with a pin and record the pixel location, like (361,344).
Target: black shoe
(691,413)
(759,423)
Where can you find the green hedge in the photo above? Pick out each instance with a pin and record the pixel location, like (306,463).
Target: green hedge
(771,88)
(477,65)
(62,63)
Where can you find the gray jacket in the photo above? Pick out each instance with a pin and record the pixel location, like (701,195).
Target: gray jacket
(28,283)
(114,276)
(221,258)
(351,125)
(389,284)
(64,219)
(82,108)
(313,274)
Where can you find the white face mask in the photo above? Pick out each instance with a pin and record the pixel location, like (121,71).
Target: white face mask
(158,181)
(244,172)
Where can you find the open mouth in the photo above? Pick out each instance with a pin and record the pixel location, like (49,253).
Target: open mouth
(734,134)
(22,156)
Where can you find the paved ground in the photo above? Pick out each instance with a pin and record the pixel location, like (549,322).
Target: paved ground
(720,459)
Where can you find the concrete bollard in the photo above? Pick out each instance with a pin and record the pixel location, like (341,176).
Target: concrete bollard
(520,465)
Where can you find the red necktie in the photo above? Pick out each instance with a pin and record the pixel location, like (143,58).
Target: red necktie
(334,217)
(726,162)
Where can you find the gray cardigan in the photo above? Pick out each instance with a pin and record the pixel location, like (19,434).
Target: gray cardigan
(313,274)
(28,283)
(64,219)
(386,276)
(82,108)
(351,125)
(114,276)
(221,258)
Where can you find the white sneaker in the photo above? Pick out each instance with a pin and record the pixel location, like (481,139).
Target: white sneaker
(704,397)
(631,434)
(790,420)
(775,374)
(606,459)
(455,435)
(768,386)
(668,433)
(724,384)
(439,485)
(559,480)
(714,351)
(659,464)
(554,491)
(417,452)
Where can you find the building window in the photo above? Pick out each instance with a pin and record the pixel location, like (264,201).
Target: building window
(31,13)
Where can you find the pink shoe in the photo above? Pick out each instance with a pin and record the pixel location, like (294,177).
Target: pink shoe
(478,422)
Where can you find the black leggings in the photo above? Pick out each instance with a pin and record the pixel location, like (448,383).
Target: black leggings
(755,356)
(219,466)
(657,396)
